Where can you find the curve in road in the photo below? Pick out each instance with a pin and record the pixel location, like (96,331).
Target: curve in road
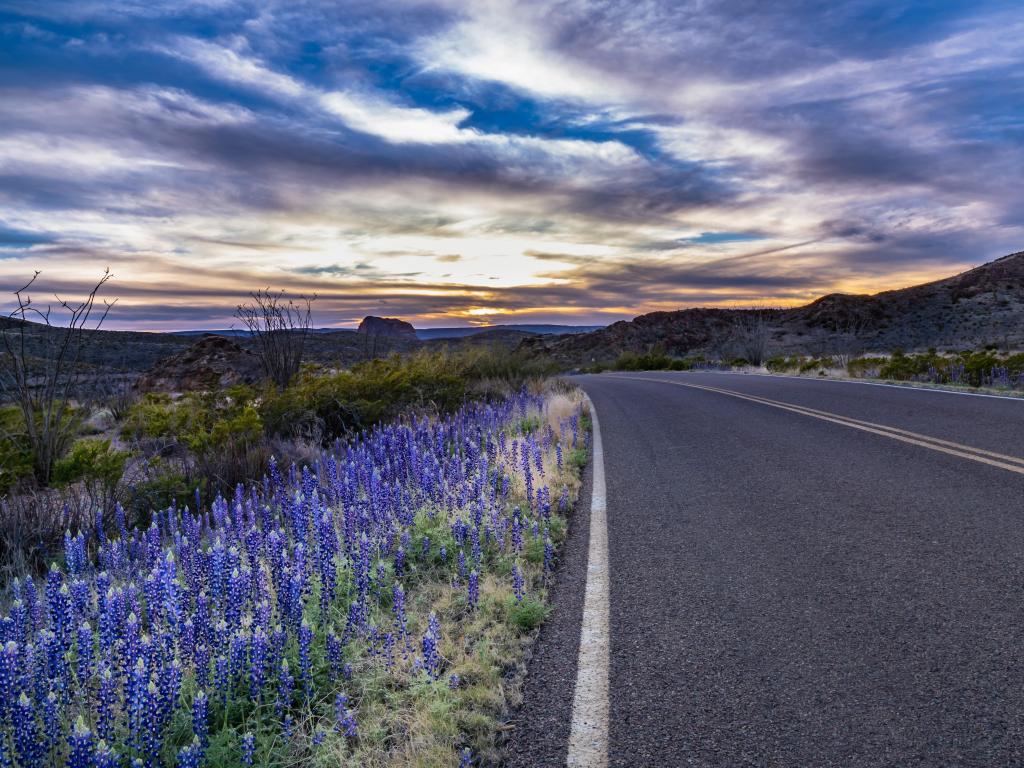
(790,591)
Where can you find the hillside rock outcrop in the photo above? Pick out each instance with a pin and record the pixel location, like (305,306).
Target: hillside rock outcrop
(213,362)
(389,327)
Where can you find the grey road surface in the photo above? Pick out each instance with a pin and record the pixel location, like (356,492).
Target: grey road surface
(791,590)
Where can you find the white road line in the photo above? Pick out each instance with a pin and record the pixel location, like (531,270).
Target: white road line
(932,443)
(588,736)
(904,387)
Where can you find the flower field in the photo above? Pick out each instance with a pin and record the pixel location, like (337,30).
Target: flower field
(368,610)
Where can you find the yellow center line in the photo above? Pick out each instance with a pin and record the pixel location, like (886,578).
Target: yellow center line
(1000,460)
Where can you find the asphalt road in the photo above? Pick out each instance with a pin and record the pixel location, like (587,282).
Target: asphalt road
(791,590)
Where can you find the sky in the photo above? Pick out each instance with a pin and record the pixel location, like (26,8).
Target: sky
(457,163)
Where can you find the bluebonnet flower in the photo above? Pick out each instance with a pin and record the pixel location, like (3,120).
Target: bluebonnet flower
(6,758)
(248,748)
(200,714)
(51,721)
(285,685)
(466,758)
(473,590)
(106,757)
(225,589)
(305,660)
(345,719)
(454,681)
(9,673)
(80,743)
(431,655)
(106,700)
(259,650)
(334,654)
(517,582)
(27,744)
(398,607)
(190,756)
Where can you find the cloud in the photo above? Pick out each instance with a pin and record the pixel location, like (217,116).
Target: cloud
(440,157)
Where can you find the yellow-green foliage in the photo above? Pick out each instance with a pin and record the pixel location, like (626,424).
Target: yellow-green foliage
(92,462)
(204,423)
(15,455)
(330,405)
(222,432)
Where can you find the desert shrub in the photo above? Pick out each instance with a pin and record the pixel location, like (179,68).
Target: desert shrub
(222,433)
(325,406)
(651,361)
(780,364)
(154,416)
(15,452)
(33,522)
(865,366)
(815,364)
(158,484)
(903,367)
(97,466)
(968,367)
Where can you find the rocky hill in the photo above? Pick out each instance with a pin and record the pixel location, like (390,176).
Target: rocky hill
(390,327)
(984,305)
(213,362)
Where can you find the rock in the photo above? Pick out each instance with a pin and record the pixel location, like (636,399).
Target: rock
(213,362)
(390,327)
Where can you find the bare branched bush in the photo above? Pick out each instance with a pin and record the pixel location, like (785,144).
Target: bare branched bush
(280,327)
(43,369)
(752,336)
(32,527)
(847,342)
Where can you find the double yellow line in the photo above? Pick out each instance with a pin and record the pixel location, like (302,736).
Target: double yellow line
(1000,460)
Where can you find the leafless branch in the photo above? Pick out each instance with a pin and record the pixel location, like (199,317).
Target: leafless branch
(280,327)
(43,369)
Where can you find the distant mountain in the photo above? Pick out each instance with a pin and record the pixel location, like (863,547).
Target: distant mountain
(458,332)
(425,334)
(984,305)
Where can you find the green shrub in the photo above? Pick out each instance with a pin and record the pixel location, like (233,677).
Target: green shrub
(222,432)
(865,366)
(651,361)
(815,364)
(94,464)
(329,405)
(160,485)
(91,461)
(15,453)
(527,614)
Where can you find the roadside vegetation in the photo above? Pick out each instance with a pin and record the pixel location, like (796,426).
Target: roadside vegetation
(987,368)
(336,567)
